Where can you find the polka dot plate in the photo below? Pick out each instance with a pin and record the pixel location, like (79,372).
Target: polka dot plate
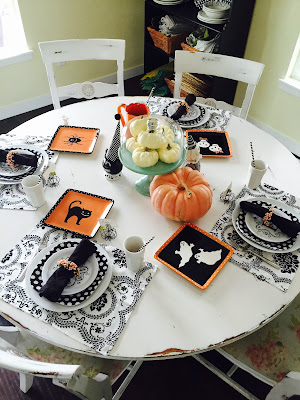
(76,295)
(239,223)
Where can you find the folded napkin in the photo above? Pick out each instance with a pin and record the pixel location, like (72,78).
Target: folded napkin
(290,228)
(19,158)
(181,110)
(61,277)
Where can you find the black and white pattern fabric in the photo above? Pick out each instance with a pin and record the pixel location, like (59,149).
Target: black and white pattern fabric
(112,153)
(97,325)
(218,119)
(287,262)
(13,196)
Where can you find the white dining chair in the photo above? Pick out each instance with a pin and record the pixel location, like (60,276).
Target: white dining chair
(85,376)
(270,354)
(222,66)
(61,51)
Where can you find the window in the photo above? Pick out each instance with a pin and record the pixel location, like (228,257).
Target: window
(13,45)
(291,82)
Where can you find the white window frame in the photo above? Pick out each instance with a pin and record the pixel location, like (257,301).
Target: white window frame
(13,45)
(291,82)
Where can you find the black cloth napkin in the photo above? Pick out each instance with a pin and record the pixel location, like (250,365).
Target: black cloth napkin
(61,277)
(190,99)
(20,159)
(290,228)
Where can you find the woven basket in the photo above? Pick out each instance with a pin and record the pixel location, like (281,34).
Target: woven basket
(186,47)
(166,43)
(189,84)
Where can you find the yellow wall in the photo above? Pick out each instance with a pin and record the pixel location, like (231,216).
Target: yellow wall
(273,34)
(272,38)
(71,19)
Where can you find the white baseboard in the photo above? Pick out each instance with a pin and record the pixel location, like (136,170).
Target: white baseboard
(289,143)
(38,102)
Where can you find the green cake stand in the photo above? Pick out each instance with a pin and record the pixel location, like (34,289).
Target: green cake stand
(160,168)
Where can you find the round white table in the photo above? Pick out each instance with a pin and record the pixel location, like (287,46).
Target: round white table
(173,317)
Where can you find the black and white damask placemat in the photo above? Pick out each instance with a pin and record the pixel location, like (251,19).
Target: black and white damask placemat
(218,119)
(98,325)
(13,196)
(287,262)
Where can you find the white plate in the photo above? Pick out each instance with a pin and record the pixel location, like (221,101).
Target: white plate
(193,114)
(168,3)
(269,233)
(48,305)
(190,123)
(236,211)
(204,18)
(88,271)
(42,164)
(8,171)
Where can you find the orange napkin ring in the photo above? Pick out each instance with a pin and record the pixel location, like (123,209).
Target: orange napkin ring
(69,265)
(267,217)
(184,104)
(10,158)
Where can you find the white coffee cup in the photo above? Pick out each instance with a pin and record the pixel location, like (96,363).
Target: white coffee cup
(257,170)
(34,190)
(134,258)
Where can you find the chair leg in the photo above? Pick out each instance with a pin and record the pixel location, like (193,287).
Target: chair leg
(26,382)
(225,377)
(127,380)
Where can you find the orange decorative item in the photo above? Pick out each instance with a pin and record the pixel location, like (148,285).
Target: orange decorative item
(132,110)
(182,195)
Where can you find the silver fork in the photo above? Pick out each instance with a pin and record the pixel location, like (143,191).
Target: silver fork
(42,245)
(266,260)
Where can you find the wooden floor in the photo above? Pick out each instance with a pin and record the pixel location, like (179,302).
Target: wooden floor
(177,379)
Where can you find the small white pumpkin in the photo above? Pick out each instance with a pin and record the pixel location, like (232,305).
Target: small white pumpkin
(170,153)
(152,139)
(168,134)
(131,144)
(138,126)
(144,157)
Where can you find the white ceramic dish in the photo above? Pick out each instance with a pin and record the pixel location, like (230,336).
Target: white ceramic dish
(268,233)
(42,164)
(192,121)
(236,211)
(88,271)
(204,18)
(48,305)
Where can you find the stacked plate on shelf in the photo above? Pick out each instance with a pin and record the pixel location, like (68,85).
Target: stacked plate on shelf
(13,176)
(168,2)
(270,238)
(214,12)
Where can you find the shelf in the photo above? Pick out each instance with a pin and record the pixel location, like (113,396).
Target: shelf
(188,11)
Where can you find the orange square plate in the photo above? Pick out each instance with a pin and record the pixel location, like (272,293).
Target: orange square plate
(74,139)
(211,143)
(194,254)
(77,211)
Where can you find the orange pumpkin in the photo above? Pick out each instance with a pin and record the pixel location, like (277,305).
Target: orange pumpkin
(182,195)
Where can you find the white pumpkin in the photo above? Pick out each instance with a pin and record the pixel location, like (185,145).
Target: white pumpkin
(170,153)
(152,139)
(168,134)
(144,157)
(138,126)
(131,144)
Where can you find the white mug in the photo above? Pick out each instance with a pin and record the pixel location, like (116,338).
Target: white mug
(34,190)
(257,170)
(134,258)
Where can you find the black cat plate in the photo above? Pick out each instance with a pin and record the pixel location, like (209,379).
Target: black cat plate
(74,139)
(194,254)
(211,143)
(77,211)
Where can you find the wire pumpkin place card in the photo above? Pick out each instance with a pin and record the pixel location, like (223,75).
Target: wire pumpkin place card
(194,254)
